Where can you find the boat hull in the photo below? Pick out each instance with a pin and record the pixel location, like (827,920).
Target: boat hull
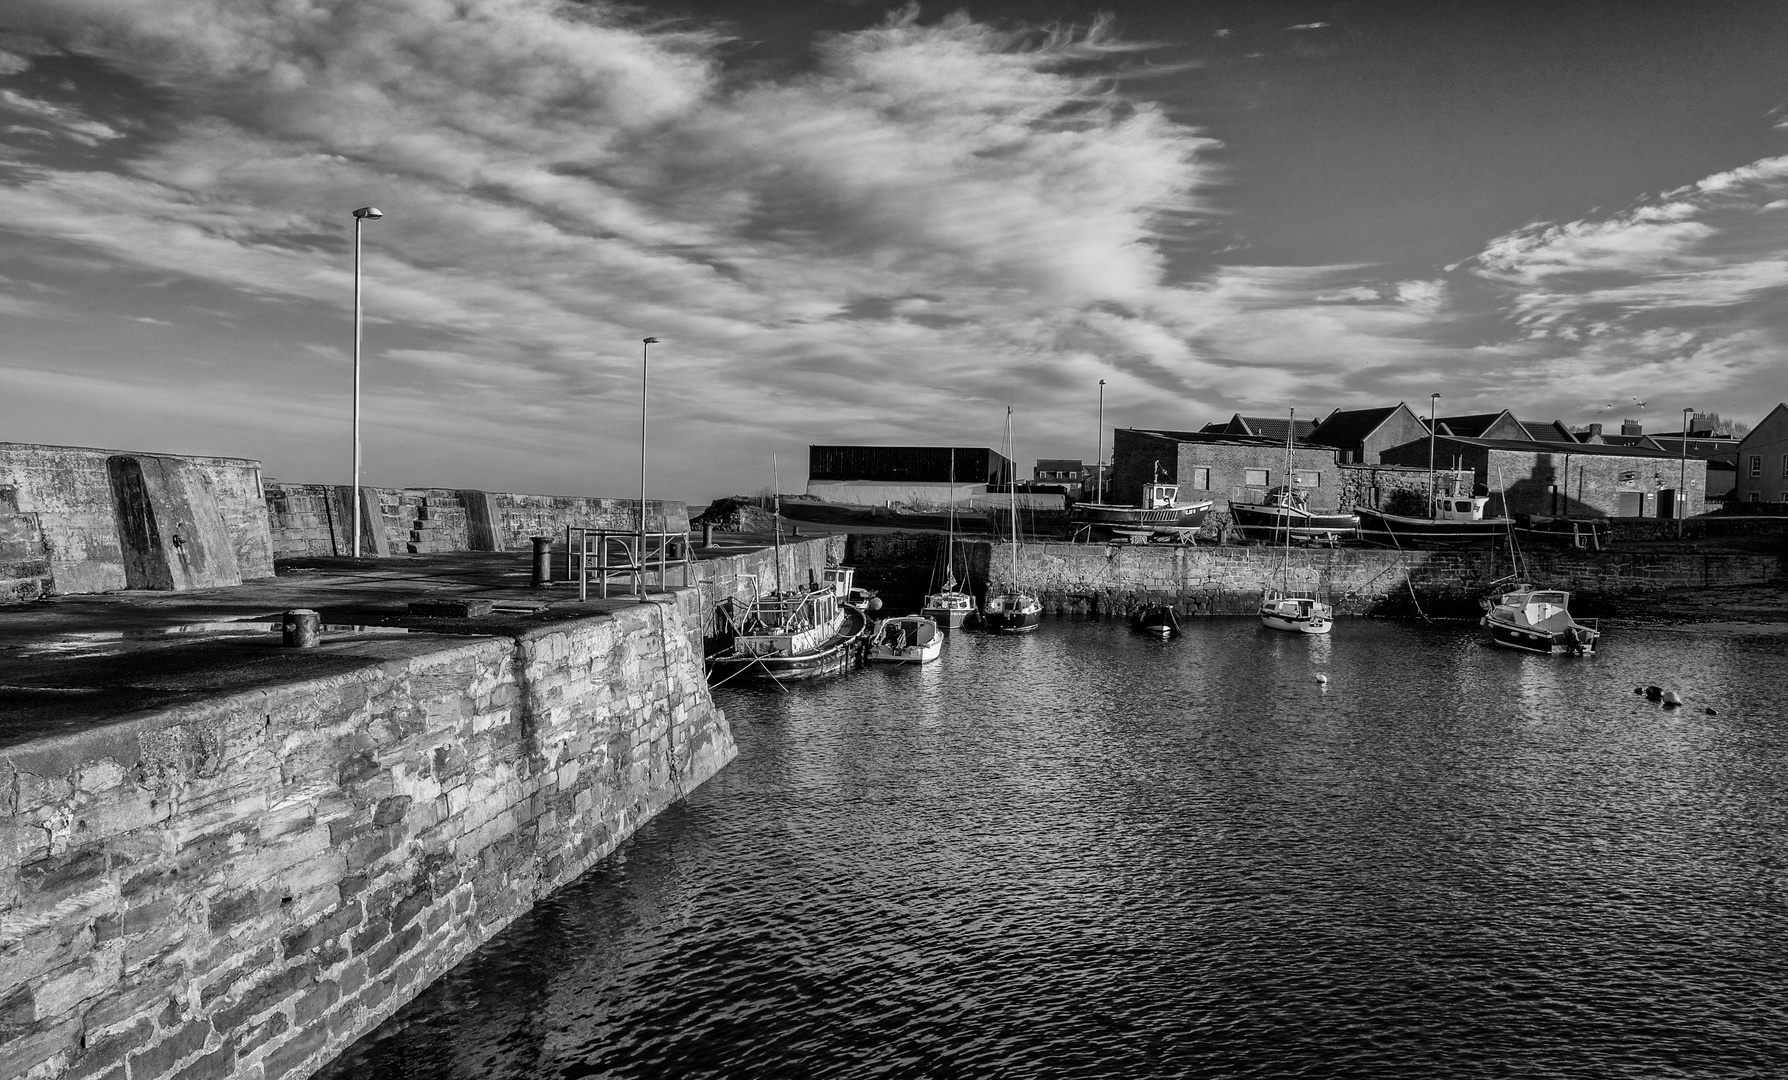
(1395,530)
(1189,516)
(1156,621)
(1572,641)
(841,652)
(906,639)
(1011,614)
(1269,524)
(948,610)
(1296,615)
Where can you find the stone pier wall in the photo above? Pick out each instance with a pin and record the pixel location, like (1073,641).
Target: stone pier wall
(1095,579)
(244,887)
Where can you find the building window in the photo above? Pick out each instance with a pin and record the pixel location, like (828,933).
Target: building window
(1255,477)
(1756,464)
(1785,465)
(1308,478)
(1751,496)
(1201,479)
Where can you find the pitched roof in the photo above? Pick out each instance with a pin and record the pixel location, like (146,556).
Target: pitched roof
(1533,447)
(1548,431)
(1469,427)
(1273,427)
(1349,427)
(1213,437)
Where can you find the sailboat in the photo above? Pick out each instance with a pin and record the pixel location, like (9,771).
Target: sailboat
(952,607)
(798,633)
(1013,611)
(1279,610)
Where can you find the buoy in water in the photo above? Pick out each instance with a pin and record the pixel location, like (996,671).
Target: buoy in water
(1321,678)
(1654,693)
(875,603)
(1671,700)
(1710,712)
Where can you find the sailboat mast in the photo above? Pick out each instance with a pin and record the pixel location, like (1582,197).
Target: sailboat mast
(950,548)
(776,499)
(1291,426)
(1012,494)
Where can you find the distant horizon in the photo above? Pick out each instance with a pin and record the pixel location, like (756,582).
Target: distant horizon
(857,221)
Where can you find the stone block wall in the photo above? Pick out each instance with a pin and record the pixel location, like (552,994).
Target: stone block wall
(1096,579)
(71,492)
(1381,487)
(241,888)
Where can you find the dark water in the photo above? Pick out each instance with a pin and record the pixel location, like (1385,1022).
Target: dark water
(1086,853)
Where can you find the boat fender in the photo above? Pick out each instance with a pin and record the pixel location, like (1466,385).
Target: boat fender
(1671,700)
(1654,693)
(875,603)
(1321,679)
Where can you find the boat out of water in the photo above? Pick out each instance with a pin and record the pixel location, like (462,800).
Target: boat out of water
(1158,620)
(1538,620)
(1288,514)
(1456,521)
(905,639)
(1161,513)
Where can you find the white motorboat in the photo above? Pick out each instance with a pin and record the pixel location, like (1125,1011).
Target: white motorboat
(1538,620)
(905,639)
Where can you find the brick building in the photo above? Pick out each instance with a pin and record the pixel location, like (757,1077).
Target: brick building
(1525,476)
(1763,460)
(1360,435)
(1222,467)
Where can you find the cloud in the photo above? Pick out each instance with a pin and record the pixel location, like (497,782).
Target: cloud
(66,121)
(1308,26)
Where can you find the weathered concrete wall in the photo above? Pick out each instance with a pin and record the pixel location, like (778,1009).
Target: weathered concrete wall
(71,492)
(242,888)
(24,559)
(1116,579)
(313,519)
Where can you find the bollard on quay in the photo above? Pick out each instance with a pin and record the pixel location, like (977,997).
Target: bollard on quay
(301,628)
(707,534)
(543,561)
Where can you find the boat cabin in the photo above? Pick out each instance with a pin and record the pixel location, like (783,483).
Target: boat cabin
(1160,496)
(840,579)
(790,622)
(1460,507)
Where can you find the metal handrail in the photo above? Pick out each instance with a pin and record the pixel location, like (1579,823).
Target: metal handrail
(581,544)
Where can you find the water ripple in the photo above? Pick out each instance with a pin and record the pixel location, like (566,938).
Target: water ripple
(1086,854)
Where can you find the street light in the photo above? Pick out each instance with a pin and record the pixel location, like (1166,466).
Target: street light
(365,213)
(1682,481)
(1099,450)
(640,577)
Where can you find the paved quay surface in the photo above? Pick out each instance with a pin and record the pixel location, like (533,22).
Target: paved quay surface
(70,662)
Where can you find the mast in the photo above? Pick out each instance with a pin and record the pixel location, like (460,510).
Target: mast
(776,499)
(1012,495)
(1286,505)
(950,547)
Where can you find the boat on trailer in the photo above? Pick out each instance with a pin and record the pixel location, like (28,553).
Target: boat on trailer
(905,639)
(1538,620)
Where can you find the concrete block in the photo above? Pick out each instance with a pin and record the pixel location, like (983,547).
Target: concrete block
(171,533)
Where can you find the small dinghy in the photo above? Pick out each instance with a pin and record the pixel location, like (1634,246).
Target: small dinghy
(1157,620)
(905,639)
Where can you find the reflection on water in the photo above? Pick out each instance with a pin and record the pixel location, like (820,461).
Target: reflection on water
(1088,853)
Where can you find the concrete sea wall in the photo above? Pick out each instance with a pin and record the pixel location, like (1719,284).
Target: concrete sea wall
(316,519)
(1115,579)
(241,888)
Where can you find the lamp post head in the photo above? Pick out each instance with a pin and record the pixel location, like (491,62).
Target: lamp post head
(649,341)
(369,213)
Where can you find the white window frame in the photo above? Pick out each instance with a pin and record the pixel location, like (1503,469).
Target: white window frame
(1756,464)
(1201,477)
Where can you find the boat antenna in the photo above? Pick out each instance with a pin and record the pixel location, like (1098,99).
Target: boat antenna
(776,501)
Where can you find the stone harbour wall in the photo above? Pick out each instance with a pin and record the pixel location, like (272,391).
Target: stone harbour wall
(243,887)
(1095,579)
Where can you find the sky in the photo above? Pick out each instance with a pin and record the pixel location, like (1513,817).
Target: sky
(870,223)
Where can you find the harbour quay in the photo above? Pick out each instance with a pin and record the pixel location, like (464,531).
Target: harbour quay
(245,822)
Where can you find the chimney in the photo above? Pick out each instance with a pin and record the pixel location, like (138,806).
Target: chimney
(1631,427)
(1595,431)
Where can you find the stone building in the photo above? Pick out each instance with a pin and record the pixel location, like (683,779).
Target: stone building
(1360,435)
(1763,460)
(1525,476)
(1221,467)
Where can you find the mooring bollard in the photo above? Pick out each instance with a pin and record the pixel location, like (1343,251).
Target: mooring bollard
(543,560)
(707,534)
(300,628)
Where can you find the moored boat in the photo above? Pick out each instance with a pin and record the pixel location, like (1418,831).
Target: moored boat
(1455,521)
(798,634)
(1538,620)
(1288,514)
(951,607)
(1280,610)
(1012,611)
(1156,619)
(905,639)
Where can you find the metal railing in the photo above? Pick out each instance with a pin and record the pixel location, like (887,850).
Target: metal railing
(605,553)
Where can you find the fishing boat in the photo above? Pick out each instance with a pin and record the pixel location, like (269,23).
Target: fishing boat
(1538,620)
(905,639)
(950,607)
(1280,610)
(1453,521)
(1160,513)
(843,582)
(1158,620)
(1013,611)
(793,634)
(1288,513)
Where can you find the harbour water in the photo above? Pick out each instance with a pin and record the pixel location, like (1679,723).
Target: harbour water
(1086,853)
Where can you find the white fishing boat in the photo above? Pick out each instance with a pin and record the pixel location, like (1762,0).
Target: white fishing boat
(951,606)
(1280,610)
(1538,620)
(905,639)
(1160,513)
(1013,611)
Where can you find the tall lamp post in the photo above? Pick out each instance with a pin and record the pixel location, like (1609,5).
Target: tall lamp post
(1099,450)
(1432,400)
(1682,480)
(640,579)
(365,213)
